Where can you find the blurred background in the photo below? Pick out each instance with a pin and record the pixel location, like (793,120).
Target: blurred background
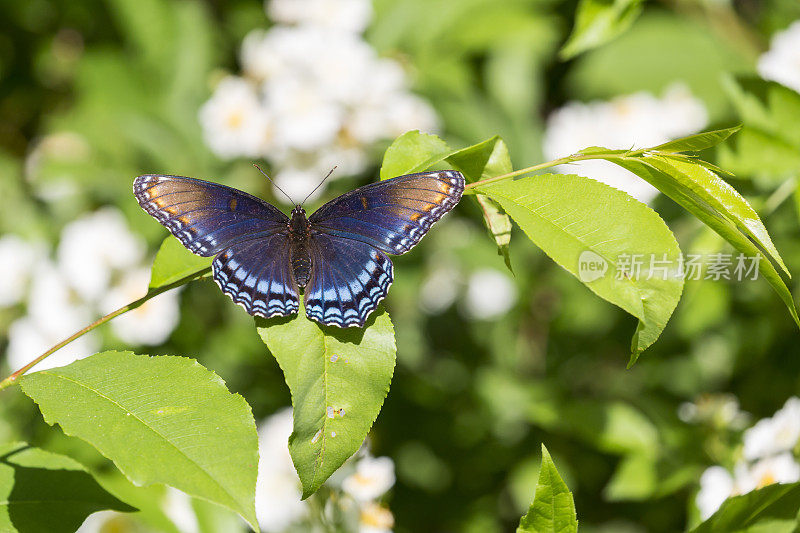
(96,92)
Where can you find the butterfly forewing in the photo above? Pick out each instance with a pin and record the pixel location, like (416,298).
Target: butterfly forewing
(391,215)
(206,217)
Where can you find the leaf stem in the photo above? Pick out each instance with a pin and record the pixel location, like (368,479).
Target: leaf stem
(152,293)
(611,154)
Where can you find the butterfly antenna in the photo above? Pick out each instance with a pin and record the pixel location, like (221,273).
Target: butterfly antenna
(318,186)
(275,184)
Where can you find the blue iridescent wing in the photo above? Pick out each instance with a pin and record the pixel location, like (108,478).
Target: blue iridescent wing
(391,215)
(255,274)
(206,217)
(348,280)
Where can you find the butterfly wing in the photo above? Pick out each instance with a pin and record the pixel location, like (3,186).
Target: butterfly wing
(206,217)
(391,215)
(348,280)
(255,274)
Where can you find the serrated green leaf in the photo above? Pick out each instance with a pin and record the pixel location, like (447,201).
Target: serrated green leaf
(604,227)
(696,205)
(160,420)
(759,507)
(338,378)
(597,22)
(708,187)
(413,152)
(488,159)
(697,142)
(174,262)
(43,491)
(553,509)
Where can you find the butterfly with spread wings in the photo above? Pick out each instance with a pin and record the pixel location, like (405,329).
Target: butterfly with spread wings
(337,256)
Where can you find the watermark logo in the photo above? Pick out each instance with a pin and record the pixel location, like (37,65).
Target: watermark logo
(591,266)
(714,266)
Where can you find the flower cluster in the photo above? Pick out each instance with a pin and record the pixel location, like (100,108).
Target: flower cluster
(780,62)
(99,266)
(633,121)
(313,95)
(767,458)
(364,481)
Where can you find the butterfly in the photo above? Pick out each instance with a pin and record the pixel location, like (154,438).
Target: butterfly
(337,256)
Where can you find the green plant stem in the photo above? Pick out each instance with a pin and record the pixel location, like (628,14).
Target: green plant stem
(560,161)
(12,379)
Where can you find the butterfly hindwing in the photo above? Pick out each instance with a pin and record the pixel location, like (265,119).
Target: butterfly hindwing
(391,215)
(255,274)
(206,217)
(348,280)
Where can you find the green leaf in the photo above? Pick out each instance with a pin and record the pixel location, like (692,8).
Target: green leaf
(499,225)
(174,262)
(697,142)
(553,509)
(599,21)
(759,507)
(43,491)
(160,420)
(705,185)
(488,159)
(727,229)
(338,378)
(600,227)
(413,152)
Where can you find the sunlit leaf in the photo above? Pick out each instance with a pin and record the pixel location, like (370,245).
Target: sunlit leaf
(412,152)
(599,21)
(174,262)
(338,378)
(553,508)
(160,419)
(597,236)
(697,142)
(43,491)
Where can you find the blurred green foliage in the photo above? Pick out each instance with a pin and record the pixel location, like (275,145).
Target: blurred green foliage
(96,92)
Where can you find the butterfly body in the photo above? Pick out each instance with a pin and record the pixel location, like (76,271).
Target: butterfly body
(337,257)
(299,238)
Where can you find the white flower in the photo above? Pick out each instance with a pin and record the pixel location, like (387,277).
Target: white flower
(149,324)
(278,492)
(634,121)
(94,245)
(342,15)
(17,258)
(53,314)
(375,518)
(234,121)
(372,478)
(781,468)
(781,62)
(177,506)
(490,294)
(105,522)
(306,118)
(776,434)
(716,485)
